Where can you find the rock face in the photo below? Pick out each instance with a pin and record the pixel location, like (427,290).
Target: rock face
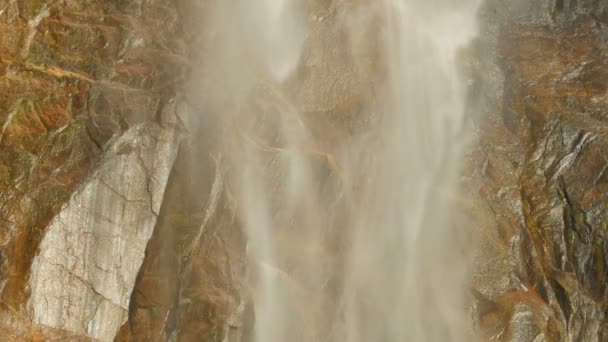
(82,278)
(88,135)
(105,217)
(540,172)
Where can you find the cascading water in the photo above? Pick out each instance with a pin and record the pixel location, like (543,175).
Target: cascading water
(343,137)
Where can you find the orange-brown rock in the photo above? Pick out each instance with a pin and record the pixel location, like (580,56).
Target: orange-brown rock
(540,168)
(73,76)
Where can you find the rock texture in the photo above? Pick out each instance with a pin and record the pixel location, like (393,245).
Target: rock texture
(191,286)
(88,133)
(92,109)
(82,278)
(195,282)
(540,172)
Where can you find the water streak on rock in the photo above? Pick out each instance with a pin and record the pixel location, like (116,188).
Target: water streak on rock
(343,164)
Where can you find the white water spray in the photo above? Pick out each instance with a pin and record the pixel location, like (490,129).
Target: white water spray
(344,134)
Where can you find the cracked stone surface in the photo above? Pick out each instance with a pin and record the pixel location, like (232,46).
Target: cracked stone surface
(87,105)
(86,266)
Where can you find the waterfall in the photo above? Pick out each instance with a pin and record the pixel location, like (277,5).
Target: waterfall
(343,138)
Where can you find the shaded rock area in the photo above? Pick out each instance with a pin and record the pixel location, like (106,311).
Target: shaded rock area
(191,286)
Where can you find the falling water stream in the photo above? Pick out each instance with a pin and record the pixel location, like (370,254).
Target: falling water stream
(344,133)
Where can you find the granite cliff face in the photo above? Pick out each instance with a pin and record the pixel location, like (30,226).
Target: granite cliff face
(89,134)
(116,221)
(539,170)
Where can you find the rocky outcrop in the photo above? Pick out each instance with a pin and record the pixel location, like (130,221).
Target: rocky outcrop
(190,286)
(82,277)
(540,169)
(88,134)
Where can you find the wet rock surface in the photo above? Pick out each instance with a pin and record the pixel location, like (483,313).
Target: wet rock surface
(190,286)
(540,168)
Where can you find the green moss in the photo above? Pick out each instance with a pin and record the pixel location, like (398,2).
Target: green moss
(13,111)
(579,218)
(89,62)
(65,139)
(599,257)
(39,54)
(5,176)
(25,159)
(41,75)
(36,6)
(214,334)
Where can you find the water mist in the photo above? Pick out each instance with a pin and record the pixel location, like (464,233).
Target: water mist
(343,137)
